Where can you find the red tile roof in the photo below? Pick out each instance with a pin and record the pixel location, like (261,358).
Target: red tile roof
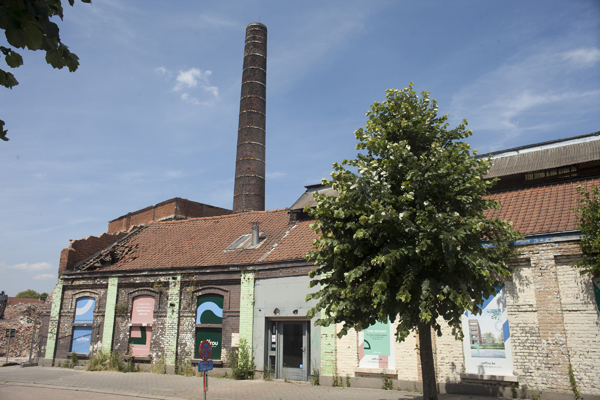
(202,242)
(541,209)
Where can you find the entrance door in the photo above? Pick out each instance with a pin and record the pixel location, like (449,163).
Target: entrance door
(288,353)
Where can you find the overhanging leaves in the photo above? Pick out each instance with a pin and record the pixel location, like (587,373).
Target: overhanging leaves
(404,239)
(27,24)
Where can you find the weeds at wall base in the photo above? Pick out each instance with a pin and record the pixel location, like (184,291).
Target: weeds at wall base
(387,383)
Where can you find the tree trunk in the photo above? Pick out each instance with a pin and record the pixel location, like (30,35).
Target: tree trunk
(427,366)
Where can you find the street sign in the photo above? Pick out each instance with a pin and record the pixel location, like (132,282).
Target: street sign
(205,350)
(205,366)
(11,332)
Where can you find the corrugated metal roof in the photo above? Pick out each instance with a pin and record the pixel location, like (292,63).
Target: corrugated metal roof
(307,198)
(545,159)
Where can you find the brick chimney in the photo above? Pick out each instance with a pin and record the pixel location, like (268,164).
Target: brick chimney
(249,189)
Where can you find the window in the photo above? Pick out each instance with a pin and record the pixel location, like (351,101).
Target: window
(82,325)
(140,335)
(209,324)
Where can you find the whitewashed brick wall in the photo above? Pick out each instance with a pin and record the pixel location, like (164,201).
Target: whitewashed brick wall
(552,317)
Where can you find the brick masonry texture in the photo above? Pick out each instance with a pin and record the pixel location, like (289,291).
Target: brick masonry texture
(249,187)
(81,249)
(173,209)
(173,327)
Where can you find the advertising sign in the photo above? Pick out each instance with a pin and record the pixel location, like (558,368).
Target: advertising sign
(486,343)
(82,335)
(140,337)
(376,347)
(212,336)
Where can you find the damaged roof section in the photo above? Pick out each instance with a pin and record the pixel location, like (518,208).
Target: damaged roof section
(202,242)
(113,253)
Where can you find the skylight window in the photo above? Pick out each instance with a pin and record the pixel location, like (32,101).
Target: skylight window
(245,242)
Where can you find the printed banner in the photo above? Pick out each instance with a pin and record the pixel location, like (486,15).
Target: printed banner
(487,342)
(376,347)
(82,335)
(84,310)
(140,337)
(214,337)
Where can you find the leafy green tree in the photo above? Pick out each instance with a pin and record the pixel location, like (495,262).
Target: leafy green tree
(28,294)
(44,296)
(26,23)
(407,238)
(588,222)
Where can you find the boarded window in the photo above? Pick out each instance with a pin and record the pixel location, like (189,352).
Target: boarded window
(82,325)
(142,316)
(209,320)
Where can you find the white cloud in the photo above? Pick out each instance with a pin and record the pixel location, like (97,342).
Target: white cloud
(533,94)
(275,175)
(44,277)
(39,175)
(190,78)
(582,58)
(162,71)
(29,267)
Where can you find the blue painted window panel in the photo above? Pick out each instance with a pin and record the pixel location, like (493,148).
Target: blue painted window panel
(82,336)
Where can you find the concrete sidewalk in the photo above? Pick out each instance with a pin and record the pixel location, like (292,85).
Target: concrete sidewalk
(63,384)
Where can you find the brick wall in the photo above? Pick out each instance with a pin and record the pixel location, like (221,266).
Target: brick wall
(81,249)
(171,209)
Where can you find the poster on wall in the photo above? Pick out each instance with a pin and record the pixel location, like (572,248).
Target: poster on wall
(140,336)
(376,347)
(486,342)
(84,314)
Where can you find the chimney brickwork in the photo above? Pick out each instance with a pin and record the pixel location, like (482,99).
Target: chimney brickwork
(249,190)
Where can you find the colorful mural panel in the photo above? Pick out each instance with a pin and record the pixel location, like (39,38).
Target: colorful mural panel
(210,309)
(82,335)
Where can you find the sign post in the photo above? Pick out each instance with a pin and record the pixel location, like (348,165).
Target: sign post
(10,332)
(205,351)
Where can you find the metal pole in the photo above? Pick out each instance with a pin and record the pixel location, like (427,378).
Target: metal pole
(204,385)
(32,336)
(8,345)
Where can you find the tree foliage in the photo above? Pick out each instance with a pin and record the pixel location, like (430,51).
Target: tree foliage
(28,294)
(588,222)
(407,238)
(27,24)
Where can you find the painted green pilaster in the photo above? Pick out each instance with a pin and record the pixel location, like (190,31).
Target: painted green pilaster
(247,307)
(328,350)
(54,316)
(109,314)
(172,325)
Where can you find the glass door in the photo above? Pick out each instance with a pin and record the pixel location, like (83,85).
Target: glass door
(292,356)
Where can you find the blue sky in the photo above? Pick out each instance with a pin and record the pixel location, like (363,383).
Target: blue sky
(152,111)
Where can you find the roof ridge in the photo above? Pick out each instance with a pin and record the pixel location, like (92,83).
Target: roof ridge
(277,210)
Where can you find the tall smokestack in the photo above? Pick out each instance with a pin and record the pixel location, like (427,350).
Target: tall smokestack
(249,190)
